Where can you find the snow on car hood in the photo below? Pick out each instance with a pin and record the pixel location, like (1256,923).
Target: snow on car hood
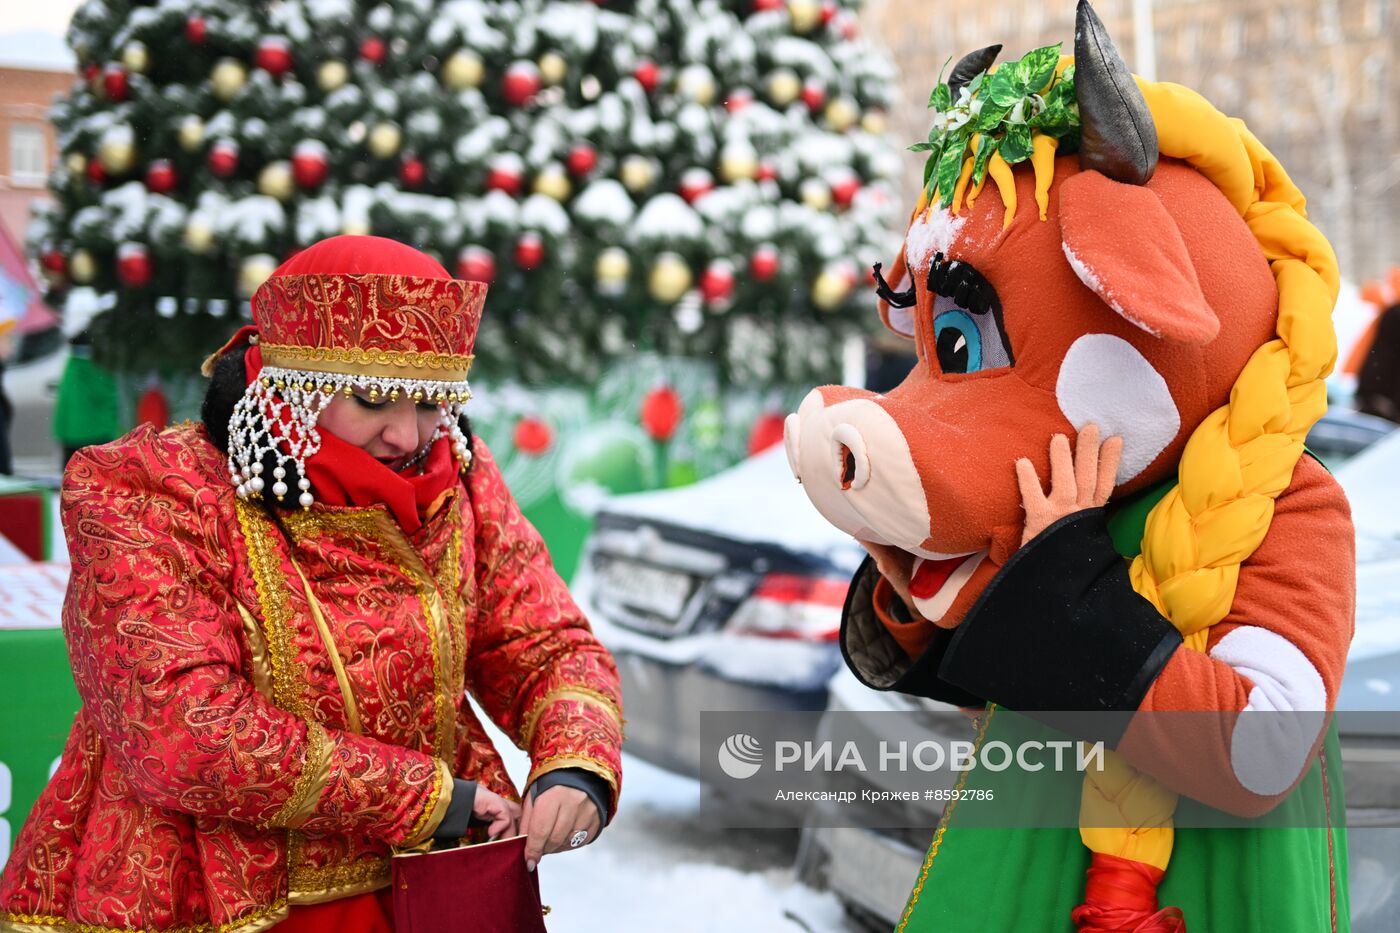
(757,500)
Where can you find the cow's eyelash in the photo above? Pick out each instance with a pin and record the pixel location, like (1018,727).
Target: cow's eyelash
(960,282)
(904,299)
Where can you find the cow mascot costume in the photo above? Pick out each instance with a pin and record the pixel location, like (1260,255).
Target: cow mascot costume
(1135,316)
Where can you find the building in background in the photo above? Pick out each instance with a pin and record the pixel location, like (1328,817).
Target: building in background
(28,148)
(1316,80)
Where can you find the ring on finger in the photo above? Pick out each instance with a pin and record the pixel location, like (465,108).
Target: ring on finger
(578,839)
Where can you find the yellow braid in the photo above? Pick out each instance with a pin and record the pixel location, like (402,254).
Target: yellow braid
(1241,457)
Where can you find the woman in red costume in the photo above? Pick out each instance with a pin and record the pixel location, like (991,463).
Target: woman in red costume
(274,615)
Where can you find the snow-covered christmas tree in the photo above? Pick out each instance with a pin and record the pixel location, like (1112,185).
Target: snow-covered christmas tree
(690,177)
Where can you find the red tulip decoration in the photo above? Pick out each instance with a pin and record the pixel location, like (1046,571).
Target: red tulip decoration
(152,408)
(767,431)
(661,412)
(533,436)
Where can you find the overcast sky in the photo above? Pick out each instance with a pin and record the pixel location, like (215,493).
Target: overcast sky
(42,16)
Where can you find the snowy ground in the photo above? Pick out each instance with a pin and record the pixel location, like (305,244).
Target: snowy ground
(659,866)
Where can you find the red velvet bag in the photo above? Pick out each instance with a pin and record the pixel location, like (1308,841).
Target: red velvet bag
(472,889)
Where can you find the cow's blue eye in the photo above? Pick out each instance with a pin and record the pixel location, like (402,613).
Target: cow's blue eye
(958,342)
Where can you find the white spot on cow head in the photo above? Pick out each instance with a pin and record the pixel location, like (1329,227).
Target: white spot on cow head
(1105,381)
(933,232)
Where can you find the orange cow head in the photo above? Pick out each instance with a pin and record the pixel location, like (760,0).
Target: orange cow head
(1133,305)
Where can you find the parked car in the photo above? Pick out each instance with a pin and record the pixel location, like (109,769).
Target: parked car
(873,870)
(722,595)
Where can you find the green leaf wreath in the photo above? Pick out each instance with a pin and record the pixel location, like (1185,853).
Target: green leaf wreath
(1003,108)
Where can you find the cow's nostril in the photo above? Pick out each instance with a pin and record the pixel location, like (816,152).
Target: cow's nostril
(847,466)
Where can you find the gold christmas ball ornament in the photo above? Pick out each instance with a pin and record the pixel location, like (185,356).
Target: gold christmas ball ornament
(874,123)
(637,173)
(463,70)
(228,78)
(611,270)
(191,133)
(356,227)
(553,182)
(116,153)
(842,113)
(82,268)
(830,288)
(806,14)
(384,140)
(199,235)
(332,74)
(135,57)
(783,86)
(554,68)
(255,270)
(816,194)
(696,83)
(738,161)
(669,279)
(76,163)
(275,180)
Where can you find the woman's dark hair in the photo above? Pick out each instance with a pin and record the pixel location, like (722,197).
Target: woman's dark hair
(226,386)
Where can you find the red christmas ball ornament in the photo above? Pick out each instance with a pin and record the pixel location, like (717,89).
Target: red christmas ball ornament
(813,95)
(763,265)
(310,163)
(91,71)
(373,50)
(196,30)
(95,172)
(695,183)
(844,191)
(115,83)
(134,265)
(766,171)
(738,99)
(648,75)
(717,283)
(533,436)
(413,172)
(54,262)
(505,175)
(582,159)
(828,12)
(767,432)
(153,408)
(161,177)
(529,251)
(764,6)
(661,412)
(521,82)
(476,264)
(274,55)
(223,158)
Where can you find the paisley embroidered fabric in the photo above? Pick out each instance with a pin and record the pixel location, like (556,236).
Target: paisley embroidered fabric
(216,772)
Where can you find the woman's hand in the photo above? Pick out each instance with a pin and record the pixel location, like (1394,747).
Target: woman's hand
(504,814)
(551,819)
(1078,481)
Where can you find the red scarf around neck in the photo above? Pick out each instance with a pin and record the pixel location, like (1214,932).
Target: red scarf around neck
(342,474)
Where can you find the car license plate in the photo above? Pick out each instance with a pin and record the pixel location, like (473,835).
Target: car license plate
(650,589)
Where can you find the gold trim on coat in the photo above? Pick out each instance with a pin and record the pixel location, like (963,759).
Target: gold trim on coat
(347,696)
(567,692)
(315,773)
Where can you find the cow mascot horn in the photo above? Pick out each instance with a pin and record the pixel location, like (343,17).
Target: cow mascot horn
(1149,343)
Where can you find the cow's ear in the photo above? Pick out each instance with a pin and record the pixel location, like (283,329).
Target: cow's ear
(1126,249)
(896,318)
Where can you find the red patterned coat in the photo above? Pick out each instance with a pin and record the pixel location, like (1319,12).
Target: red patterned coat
(268,710)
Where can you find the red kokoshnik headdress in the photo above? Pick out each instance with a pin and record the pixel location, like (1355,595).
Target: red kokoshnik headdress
(350,312)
